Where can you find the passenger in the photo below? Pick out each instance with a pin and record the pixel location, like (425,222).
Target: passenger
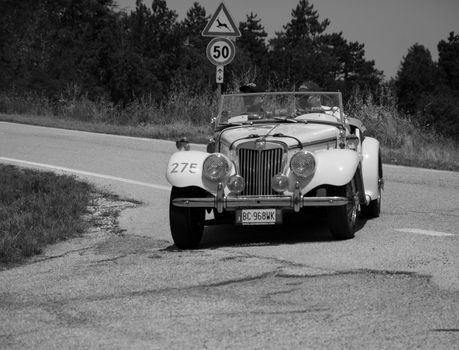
(309,102)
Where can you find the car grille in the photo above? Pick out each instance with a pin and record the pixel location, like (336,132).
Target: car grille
(258,167)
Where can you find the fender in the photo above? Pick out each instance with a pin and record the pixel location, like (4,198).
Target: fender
(370,166)
(185,168)
(334,167)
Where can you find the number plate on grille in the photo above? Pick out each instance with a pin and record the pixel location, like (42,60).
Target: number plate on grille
(258,217)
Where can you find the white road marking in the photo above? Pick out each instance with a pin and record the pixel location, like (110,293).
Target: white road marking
(424,232)
(85,173)
(417,169)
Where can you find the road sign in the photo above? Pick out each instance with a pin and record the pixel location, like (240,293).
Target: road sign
(220,51)
(219,75)
(221,24)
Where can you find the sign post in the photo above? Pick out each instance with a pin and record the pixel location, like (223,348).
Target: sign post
(221,50)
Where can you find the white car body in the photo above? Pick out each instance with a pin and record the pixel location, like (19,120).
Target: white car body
(336,166)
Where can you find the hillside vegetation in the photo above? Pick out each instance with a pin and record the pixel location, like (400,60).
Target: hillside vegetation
(402,141)
(87,64)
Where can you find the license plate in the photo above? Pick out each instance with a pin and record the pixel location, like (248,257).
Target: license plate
(258,217)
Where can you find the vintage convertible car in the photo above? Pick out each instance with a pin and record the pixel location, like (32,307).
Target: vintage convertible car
(275,154)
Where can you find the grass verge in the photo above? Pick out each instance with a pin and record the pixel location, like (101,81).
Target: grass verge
(402,141)
(172,131)
(38,208)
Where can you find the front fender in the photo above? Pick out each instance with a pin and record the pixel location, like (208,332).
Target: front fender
(185,168)
(334,167)
(371,166)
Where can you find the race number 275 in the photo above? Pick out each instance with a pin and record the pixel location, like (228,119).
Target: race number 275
(184,167)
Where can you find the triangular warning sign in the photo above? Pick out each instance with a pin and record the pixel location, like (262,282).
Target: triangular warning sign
(221,24)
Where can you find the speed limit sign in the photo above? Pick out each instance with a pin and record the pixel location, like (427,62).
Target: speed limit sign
(220,51)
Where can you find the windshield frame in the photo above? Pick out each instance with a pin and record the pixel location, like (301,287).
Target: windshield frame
(334,95)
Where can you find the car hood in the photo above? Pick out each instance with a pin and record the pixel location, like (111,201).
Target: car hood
(287,133)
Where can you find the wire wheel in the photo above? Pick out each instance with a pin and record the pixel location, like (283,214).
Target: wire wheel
(342,219)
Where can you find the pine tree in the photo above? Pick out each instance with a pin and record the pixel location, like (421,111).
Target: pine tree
(417,76)
(195,72)
(448,60)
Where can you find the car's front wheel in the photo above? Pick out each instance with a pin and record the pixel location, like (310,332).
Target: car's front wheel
(186,224)
(342,219)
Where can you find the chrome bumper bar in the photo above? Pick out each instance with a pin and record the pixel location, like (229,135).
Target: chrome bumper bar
(295,201)
(281,202)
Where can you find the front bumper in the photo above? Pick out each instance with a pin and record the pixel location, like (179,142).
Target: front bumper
(293,202)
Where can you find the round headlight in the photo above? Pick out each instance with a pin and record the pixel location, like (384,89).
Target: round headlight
(216,167)
(303,164)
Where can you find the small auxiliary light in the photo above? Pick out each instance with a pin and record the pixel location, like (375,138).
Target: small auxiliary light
(236,184)
(279,183)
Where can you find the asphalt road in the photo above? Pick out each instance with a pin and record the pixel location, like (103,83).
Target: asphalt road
(395,285)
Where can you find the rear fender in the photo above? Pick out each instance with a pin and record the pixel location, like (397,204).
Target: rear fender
(334,167)
(371,166)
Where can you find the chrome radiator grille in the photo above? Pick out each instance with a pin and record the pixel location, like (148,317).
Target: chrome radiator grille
(258,167)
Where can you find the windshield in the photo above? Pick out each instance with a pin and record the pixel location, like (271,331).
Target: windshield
(278,106)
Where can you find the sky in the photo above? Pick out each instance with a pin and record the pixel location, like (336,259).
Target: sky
(387,28)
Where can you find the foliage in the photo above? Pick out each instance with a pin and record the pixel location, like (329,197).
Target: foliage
(303,51)
(448,60)
(48,45)
(428,91)
(62,51)
(402,141)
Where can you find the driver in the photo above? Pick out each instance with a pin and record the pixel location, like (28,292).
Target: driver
(252,103)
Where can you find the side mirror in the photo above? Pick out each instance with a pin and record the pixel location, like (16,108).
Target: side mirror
(183,144)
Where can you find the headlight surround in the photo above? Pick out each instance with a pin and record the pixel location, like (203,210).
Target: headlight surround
(303,164)
(216,167)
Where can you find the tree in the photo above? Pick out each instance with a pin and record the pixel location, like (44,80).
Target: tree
(252,40)
(345,66)
(153,40)
(303,51)
(194,73)
(294,55)
(448,60)
(417,76)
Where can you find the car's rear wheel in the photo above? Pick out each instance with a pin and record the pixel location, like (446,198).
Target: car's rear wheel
(342,219)
(186,224)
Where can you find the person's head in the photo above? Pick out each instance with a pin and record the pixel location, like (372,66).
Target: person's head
(310,101)
(309,85)
(252,102)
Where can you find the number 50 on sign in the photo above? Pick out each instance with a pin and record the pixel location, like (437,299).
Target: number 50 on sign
(220,51)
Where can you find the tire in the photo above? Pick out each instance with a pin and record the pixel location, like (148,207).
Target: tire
(186,224)
(373,209)
(342,219)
